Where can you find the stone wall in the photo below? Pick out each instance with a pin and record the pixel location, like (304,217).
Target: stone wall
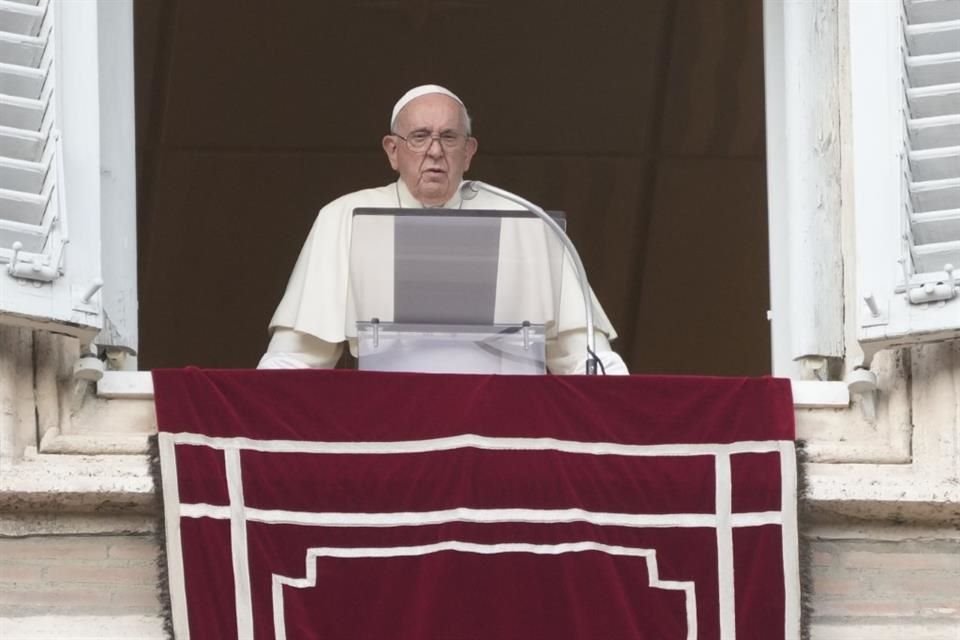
(79,575)
(884,582)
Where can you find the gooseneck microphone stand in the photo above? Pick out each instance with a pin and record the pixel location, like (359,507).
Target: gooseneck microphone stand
(591,365)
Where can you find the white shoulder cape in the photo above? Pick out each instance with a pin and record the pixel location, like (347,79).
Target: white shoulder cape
(316,300)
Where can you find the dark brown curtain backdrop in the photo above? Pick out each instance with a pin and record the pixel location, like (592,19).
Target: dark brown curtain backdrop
(642,120)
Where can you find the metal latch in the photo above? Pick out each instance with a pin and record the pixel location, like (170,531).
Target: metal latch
(39,268)
(929,289)
(934,291)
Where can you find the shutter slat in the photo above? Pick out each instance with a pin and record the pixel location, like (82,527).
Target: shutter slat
(22,144)
(20,175)
(938,226)
(21,113)
(938,69)
(22,82)
(931,133)
(32,237)
(933,38)
(21,18)
(938,100)
(933,257)
(920,11)
(20,206)
(21,50)
(935,195)
(935,164)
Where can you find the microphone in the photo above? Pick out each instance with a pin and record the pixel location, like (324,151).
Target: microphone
(476,186)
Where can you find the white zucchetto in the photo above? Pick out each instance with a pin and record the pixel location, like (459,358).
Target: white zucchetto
(416,92)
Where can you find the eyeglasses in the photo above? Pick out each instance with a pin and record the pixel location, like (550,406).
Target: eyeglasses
(420,140)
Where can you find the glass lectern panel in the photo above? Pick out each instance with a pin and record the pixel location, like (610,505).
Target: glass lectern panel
(453,291)
(438,266)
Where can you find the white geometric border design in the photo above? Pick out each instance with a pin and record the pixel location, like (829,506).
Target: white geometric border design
(723,520)
(279,622)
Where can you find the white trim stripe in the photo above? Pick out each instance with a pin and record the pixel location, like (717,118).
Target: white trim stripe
(473,441)
(726,586)
(238,546)
(465,514)
(172,512)
(650,555)
(276,596)
(789,540)
(756,519)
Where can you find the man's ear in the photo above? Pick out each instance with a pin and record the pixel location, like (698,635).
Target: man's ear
(471,149)
(390,148)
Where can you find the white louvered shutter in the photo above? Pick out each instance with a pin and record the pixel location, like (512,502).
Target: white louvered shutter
(932,167)
(44,275)
(905,78)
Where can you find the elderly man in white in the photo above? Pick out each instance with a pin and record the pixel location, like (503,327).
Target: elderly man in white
(430,146)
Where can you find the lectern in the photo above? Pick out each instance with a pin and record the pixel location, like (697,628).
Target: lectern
(453,291)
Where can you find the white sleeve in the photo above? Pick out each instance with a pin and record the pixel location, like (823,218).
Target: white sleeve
(291,349)
(568,354)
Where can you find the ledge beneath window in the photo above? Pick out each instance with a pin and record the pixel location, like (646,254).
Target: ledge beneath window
(129,385)
(869,492)
(820,395)
(138,385)
(103,484)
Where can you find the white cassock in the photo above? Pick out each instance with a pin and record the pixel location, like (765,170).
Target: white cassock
(316,315)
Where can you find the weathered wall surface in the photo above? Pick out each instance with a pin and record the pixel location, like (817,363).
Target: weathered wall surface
(884,581)
(96,575)
(78,550)
(883,518)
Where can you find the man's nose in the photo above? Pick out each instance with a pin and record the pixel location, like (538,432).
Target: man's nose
(435,149)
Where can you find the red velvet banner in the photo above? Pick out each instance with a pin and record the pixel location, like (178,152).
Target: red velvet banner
(345,505)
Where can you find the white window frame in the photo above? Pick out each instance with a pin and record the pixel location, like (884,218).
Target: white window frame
(806,304)
(822,332)
(801,74)
(118,180)
(816,329)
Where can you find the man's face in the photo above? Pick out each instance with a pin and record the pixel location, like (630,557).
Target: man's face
(432,174)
